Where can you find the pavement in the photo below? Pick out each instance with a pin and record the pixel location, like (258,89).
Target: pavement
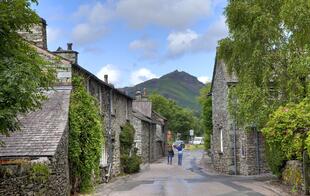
(190,179)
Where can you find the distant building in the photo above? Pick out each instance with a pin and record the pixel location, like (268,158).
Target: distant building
(234,150)
(150,136)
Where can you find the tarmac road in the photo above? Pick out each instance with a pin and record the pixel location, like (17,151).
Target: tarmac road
(190,179)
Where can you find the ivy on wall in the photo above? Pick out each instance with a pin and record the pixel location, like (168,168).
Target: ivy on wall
(85,138)
(287,134)
(130,161)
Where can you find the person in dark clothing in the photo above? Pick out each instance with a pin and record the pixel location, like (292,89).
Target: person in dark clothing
(170,154)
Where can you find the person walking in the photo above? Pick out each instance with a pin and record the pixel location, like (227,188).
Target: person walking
(180,153)
(170,154)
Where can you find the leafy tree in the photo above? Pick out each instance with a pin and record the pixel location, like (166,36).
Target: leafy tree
(24,75)
(85,137)
(268,49)
(180,120)
(206,104)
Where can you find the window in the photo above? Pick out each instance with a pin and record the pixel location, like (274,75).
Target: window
(221,141)
(111,104)
(104,157)
(242,147)
(100,99)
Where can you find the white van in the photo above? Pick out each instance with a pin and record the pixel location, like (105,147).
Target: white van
(198,140)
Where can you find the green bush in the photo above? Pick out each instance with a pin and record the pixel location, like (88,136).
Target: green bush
(131,164)
(130,161)
(85,137)
(286,134)
(39,172)
(126,138)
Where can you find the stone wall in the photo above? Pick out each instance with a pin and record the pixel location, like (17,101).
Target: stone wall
(17,177)
(120,108)
(223,161)
(142,138)
(239,145)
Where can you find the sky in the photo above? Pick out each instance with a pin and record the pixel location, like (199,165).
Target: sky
(136,40)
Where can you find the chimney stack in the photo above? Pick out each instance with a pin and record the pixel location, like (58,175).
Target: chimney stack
(36,35)
(69,54)
(69,46)
(106,79)
(138,95)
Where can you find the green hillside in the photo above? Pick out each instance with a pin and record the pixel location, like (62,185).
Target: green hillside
(179,86)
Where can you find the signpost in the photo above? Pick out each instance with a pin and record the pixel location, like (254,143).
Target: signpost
(191,134)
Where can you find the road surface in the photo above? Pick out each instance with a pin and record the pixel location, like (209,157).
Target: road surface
(189,179)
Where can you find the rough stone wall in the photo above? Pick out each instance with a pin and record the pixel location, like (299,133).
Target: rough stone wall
(246,142)
(15,179)
(142,138)
(223,161)
(119,114)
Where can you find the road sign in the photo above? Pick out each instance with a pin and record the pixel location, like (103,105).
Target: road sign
(191,132)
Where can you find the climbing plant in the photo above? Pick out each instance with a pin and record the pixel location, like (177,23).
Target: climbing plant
(286,134)
(85,137)
(130,161)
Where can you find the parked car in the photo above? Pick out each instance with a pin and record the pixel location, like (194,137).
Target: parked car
(198,140)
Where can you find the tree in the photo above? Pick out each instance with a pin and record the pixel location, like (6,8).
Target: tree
(180,120)
(85,137)
(206,104)
(268,49)
(24,75)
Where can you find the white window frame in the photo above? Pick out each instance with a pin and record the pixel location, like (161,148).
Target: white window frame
(104,157)
(221,141)
(243,152)
(126,109)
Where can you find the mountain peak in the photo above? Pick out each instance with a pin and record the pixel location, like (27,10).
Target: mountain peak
(177,85)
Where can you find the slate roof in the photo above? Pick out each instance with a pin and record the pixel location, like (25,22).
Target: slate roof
(141,116)
(41,130)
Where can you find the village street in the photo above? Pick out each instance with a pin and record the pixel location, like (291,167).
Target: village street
(190,179)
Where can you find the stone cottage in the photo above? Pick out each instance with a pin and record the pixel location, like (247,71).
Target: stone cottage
(115,107)
(150,136)
(234,150)
(34,161)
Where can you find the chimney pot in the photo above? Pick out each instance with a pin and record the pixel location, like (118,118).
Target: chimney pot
(69,46)
(106,78)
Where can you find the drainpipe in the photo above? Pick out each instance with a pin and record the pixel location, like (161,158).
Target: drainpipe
(257,150)
(110,137)
(235,147)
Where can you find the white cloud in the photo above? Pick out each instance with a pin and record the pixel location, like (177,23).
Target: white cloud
(171,13)
(141,75)
(92,25)
(86,33)
(147,47)
(53,34)
(180,42)
(188,41)
(204,79)
(113,73)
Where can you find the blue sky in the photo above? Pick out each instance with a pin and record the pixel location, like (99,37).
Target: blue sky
(136,40)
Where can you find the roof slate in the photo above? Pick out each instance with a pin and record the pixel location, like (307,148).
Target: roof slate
(41,130)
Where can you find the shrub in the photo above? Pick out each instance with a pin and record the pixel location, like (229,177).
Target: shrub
(39,172)
(286,133)
(127,138)
(131,164)
(130,161)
